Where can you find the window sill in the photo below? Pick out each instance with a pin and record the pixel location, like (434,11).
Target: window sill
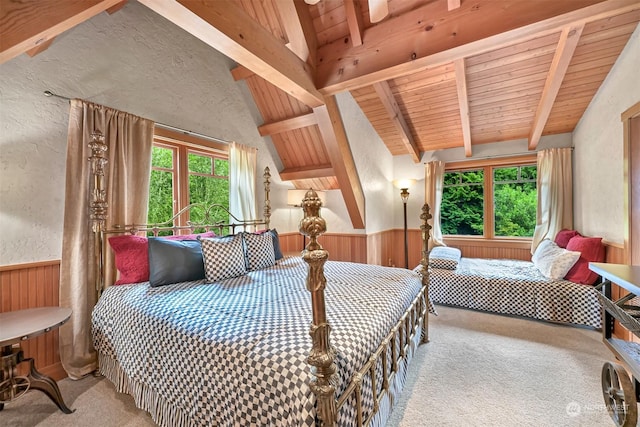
(496,242)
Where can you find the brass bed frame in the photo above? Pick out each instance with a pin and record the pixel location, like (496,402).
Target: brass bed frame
(322,354)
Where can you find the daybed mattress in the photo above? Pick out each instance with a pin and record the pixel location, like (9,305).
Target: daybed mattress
(516,288)
(234,352)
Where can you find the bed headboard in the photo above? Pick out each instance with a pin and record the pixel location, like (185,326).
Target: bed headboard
(98,214)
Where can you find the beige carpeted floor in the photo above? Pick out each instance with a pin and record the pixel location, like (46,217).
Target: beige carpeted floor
(478,370)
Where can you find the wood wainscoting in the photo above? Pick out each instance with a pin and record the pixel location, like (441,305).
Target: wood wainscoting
(341,247)
(29,286)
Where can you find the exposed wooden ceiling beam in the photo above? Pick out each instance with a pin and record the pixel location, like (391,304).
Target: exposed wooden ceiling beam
(226,27)
(117,7)
(26,25)
(241,72)
(337,145)
(397,118)
(298,25)
(41,47)
(564,52)
(287,124)
(307,172)
(453,4)
(353,10)
(430,36)
(463,102)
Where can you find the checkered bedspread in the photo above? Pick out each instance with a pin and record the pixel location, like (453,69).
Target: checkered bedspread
(517,288)
(234,352)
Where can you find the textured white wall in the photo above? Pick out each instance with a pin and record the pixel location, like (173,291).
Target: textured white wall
(136,61)
(598,155)
(133,60)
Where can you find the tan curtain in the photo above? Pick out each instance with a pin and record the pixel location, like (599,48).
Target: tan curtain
(434,182)
(242,181)
(129,140)
(555,194)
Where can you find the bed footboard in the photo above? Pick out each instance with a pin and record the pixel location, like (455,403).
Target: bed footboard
(322,355)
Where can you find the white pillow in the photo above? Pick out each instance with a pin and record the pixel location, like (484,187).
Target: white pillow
(444,257)
(552,260)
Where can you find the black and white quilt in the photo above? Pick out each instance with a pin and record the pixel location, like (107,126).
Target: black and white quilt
(234,352)
(514,287)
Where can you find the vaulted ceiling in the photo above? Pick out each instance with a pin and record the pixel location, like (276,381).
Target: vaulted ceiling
(431,75)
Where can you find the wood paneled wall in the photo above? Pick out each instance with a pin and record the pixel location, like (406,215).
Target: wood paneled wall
(29,286)
(341,247)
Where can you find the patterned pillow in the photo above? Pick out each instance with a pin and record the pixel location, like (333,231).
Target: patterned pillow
(259,250)
(553,261)
(444,257)
(223,257)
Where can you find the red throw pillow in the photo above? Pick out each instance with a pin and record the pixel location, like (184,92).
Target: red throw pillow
(563,237)
(132,255)
(132,258)
(591,250)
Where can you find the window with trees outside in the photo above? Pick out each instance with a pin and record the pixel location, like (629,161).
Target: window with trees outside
(183,174)
(492,201)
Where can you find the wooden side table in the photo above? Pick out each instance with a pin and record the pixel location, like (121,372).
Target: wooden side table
(21,325)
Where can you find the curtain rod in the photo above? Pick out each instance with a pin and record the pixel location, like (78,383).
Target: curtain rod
(169,127)
(499,156)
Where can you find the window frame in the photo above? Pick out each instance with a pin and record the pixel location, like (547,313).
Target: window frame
(182,145)
(488,214)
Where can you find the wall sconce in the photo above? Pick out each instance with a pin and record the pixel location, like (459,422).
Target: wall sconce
(403,185)
(295,196)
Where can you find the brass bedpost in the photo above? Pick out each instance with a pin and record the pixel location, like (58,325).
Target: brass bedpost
(267,202)
(98,205)
(424,262)
(322,354)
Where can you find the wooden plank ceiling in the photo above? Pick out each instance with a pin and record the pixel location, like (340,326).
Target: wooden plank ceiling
(431,75)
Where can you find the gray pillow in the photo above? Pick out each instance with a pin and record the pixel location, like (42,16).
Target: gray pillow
(276,244)
(174,261)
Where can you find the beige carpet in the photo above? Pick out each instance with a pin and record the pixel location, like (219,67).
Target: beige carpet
(478,370)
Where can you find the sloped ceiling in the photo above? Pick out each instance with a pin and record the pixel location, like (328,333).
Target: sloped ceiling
(432,75)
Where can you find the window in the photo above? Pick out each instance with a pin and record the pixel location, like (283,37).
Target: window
(490,200)
(183,174)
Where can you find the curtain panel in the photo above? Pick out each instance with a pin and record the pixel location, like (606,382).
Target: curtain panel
(555,194)
(129,140)
(433,187)
(242,181)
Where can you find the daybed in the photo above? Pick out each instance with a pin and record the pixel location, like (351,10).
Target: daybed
(514,287)
(252,347)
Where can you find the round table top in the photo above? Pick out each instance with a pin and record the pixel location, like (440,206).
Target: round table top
(20,325)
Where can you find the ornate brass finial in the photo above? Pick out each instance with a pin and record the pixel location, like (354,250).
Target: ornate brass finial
(424,263)
(322,355)
(312,224)
(267,202)
(98,161)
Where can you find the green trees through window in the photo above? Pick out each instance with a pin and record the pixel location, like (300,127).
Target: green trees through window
(509,210)
(204,180)
(515,200)
(463,203)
